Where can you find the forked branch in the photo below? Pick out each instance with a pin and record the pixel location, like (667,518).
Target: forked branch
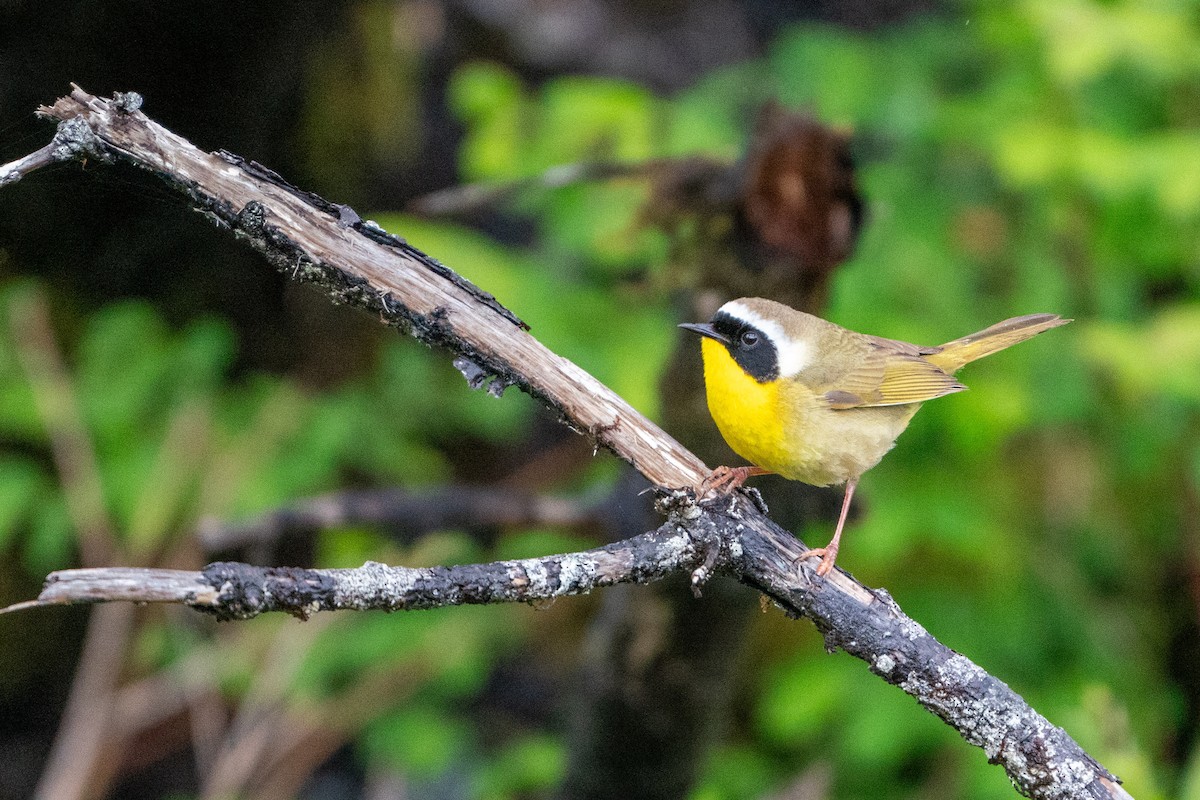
(356,262)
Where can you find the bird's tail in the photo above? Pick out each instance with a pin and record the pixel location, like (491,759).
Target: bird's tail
(952,356)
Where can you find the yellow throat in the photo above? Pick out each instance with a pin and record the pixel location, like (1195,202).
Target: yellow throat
(746,412)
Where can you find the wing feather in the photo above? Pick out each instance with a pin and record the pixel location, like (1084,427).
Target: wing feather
(887,377)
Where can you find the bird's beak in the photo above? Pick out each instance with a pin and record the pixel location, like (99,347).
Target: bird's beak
(705,329)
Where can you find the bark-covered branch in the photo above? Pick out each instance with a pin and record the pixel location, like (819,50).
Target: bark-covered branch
(232,590)
(356,262)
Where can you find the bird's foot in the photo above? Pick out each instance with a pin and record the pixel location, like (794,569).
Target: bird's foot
(725,480)
(827,555)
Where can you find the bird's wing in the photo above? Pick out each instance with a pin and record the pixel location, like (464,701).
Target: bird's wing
(889,377)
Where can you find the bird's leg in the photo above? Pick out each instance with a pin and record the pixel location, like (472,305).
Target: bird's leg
(828,553)
(724,480)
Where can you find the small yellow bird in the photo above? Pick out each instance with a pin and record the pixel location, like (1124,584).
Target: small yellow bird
(817,403)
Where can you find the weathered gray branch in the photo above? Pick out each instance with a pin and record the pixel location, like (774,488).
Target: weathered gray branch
(231,590)
(356,262)
(74,138)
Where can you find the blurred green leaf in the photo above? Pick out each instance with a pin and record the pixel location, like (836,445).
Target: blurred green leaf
(1084,39)
(490,98)
(529,765)
(51,539)
(420,740)
(19,416)
(347,548)
(124,364)
(582,118)
(1161,357)
(736,772)
(21,485)
(1190,789)
(799,699)
(832,72)
(536,543)
(480,89)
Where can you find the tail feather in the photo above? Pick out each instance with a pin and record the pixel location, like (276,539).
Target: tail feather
(952,356)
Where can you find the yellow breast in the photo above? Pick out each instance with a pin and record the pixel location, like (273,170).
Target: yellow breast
(782,427)
(747,413)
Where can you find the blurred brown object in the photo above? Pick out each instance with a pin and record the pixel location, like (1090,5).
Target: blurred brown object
(774,224)
(800,209)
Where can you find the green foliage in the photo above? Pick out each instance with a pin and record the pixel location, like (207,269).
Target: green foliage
(530,765)
(22,485)
(173,438)
(419,741)
(736,772)
(516,134)
(1015,158)
(1160,357)
(533,543)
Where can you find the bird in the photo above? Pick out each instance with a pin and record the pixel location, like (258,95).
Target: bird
(804,398)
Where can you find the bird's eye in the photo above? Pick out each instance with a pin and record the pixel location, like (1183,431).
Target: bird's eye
(749,339)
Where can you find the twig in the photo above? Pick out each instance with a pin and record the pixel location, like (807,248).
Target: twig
(473,198)
(400,512)
(358,263)
(74,138)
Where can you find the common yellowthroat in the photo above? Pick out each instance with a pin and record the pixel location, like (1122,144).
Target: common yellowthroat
(817,403)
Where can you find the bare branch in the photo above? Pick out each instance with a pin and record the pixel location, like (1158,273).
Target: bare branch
(231,590)
(74,138)
(403,513)
(356,262)
(129,584)
(474,198)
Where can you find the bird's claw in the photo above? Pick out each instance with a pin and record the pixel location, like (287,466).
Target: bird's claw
(724,480)
(721,480)
(828,556)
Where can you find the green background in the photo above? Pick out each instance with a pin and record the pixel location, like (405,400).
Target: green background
(1015,158)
